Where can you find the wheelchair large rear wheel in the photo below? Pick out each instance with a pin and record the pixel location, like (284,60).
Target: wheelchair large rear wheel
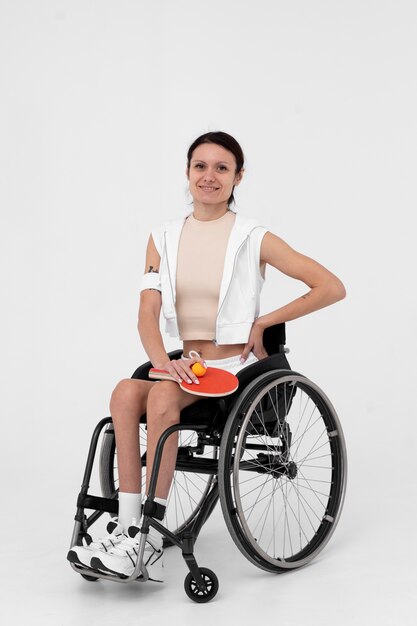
(282,471)
(188,491)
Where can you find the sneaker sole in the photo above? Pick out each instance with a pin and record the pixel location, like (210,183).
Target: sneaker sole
(73,557)
(98,565)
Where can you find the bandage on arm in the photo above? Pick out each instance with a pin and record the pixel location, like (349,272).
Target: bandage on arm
(151,280)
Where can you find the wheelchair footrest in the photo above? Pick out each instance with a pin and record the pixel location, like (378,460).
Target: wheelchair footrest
(109,505)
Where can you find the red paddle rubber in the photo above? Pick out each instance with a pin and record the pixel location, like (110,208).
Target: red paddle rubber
(215,382)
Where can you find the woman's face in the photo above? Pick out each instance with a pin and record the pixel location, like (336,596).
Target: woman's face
(212,174)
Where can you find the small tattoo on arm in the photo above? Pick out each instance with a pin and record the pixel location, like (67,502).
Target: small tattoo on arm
(151,269)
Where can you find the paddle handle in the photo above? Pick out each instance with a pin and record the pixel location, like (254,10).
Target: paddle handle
(157,374)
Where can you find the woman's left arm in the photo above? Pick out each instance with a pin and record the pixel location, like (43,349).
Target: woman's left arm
(325,289)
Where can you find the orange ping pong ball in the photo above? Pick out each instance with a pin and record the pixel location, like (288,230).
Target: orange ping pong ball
(198,369)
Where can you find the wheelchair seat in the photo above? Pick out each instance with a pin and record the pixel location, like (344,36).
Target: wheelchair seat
(208,409)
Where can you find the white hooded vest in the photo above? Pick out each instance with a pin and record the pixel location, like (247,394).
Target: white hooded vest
(241,284)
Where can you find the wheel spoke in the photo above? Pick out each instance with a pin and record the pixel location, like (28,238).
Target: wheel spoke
(281,509)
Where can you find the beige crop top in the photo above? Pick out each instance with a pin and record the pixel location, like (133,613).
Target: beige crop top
(201,255)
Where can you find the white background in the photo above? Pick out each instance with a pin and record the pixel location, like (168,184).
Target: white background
(99,102)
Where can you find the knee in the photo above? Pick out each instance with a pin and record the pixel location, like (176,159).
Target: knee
(120,392)
(162,406)
(125,396)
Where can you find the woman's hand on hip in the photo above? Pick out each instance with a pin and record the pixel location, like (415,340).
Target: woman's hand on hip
(255,344)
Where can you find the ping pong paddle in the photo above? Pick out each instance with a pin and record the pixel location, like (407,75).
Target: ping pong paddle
(215,382)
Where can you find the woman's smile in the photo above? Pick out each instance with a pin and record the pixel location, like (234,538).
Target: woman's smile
(208,189)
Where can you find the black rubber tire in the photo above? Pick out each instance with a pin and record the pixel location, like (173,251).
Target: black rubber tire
(245,420)
(194,592)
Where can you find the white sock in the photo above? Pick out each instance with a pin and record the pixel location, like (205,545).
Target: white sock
(130,508)
(154,536)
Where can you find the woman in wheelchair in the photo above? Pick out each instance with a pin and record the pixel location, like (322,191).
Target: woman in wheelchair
(206,272)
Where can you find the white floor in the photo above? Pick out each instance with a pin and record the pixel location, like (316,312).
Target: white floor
(365,575)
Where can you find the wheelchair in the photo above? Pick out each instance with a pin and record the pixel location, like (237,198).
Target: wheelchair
(273,452)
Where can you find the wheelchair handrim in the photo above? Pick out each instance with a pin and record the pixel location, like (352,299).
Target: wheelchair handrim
(230,492)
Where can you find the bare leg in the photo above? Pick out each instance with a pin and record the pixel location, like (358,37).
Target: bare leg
(165,403)
(127,404)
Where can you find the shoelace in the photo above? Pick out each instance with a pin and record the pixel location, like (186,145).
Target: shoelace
(129,544)
(109,540)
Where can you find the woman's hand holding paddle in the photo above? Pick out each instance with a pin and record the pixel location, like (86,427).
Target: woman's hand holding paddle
(180,369)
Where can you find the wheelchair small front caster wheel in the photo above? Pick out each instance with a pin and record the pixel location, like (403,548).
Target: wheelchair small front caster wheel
(92,579)
(192,590)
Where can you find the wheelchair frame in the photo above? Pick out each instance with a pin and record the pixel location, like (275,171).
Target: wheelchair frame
(201,584)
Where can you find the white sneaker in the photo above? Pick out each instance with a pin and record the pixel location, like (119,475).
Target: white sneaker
(121,559)
(81,555)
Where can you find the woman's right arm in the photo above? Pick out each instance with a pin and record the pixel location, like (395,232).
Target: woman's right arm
(149,312)
(148,325)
